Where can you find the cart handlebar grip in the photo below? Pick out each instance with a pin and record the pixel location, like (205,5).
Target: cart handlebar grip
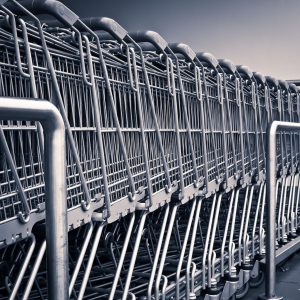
(106,24)
(183,49)
(259,78)
(147,47)
(227,65)
(283,85)
(208,59)
(272,81)
(51,7)
(245,72)
(295,89)
(150,37)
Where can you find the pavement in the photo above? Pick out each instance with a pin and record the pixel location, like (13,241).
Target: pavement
(287,281)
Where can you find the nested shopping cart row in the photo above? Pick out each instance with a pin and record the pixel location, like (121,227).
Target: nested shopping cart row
(131,115)
(176,251)
(166,156)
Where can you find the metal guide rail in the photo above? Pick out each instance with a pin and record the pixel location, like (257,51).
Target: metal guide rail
(165,161)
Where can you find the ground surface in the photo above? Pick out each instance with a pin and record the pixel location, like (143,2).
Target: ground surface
(287,281)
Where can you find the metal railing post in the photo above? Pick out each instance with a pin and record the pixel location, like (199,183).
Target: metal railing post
(55,185)
(273,128)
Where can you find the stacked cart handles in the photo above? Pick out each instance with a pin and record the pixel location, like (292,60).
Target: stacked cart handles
(165,163)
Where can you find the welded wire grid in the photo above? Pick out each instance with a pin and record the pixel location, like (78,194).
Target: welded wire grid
(141,122)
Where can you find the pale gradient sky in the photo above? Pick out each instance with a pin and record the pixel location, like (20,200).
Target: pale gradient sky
(262,34)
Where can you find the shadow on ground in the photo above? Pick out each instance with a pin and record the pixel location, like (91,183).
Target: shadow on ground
(287,281)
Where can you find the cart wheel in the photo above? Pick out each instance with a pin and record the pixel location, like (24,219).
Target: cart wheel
(258,280)
(242,292)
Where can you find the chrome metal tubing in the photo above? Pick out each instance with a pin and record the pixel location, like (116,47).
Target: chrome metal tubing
(55,184)
(273,128)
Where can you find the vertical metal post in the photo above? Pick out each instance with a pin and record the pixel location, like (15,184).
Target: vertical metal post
(55,185)
(273,128)
(271,208)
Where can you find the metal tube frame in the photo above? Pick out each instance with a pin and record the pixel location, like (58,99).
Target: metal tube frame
(273,128)
(55,185)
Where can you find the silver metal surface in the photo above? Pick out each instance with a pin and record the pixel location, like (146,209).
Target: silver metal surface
(165,161)
(273,129)
(55,184)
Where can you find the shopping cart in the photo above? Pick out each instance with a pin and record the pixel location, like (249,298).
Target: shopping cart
(287,177)
(166,158)
(115,39)
(35,80)
(66,73)
(293,205)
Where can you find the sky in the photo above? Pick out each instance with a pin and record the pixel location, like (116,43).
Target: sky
(261,34)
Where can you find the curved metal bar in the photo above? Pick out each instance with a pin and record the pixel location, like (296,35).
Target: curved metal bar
(106,24)
(58,96)
(16,42)
(187,121)
(164,287)
(55,185)
(273,128)
(131,181)
(32,77)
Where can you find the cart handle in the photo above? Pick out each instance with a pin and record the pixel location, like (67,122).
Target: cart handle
(283,84)
(183,49)
(227,65)
(13,25)
(151,37)
(133,74)
(62,13)
(208,60)
(52,7)
(170,76)
(294,88)
(272,82)
(57,9)
(106,24)
(245,72)
(55,184)
(261,79)
(198,83)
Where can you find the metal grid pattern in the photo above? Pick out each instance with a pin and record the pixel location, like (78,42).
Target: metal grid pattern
(165,161)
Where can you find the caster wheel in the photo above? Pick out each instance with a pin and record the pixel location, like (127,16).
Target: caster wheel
(242,292)
(258,280)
